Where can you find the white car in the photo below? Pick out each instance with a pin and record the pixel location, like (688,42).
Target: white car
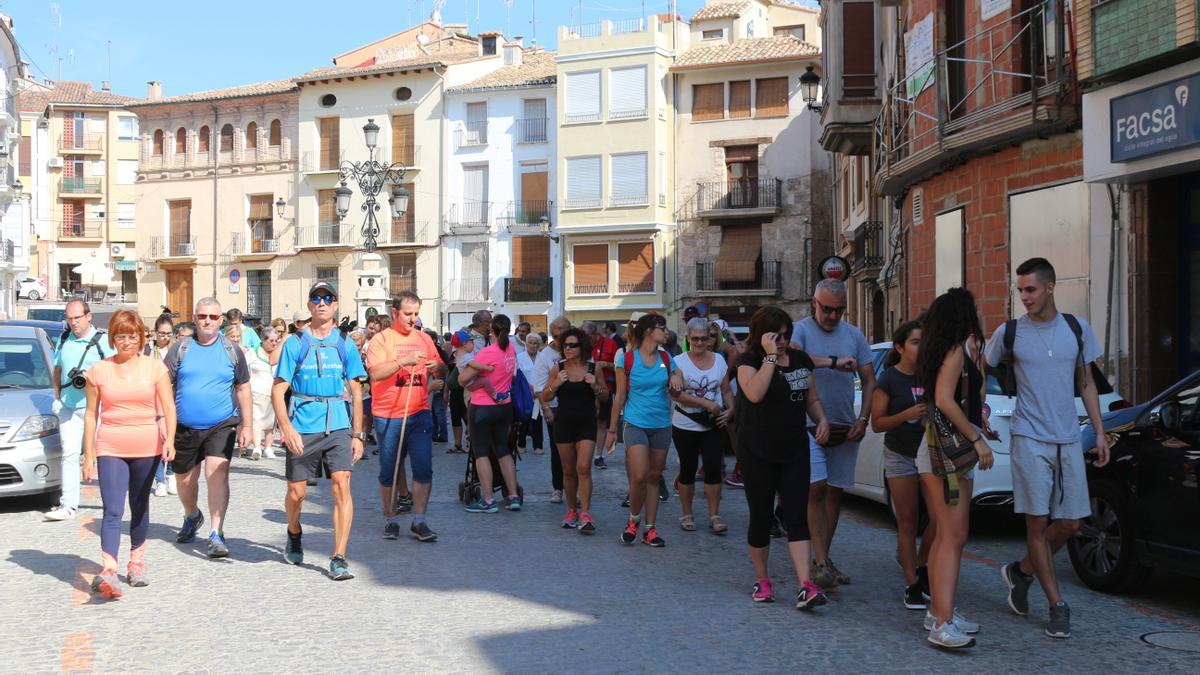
(31,288)
(993,488)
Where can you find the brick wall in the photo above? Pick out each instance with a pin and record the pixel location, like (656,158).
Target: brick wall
(68,129)
(981,187)
(1125,32)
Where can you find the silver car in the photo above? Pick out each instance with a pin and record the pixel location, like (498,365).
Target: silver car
(30,445)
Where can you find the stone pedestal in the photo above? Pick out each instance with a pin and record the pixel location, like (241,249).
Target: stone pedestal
(370,293)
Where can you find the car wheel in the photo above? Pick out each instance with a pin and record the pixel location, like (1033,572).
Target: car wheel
(34,295)
(1104,552)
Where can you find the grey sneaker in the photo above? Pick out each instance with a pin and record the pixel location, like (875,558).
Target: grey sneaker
(1059,625)
(823,576)
(840,576)
(294,551)
(216,545)
(965,625)
(423,532)
(391,531)
(135,575)
(950,636)
(1018,587)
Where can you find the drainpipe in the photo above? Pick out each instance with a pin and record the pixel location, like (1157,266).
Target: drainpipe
(214,133)
(441,303)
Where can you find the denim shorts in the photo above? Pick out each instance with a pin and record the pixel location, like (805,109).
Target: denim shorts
(896,465)
(834,465)
(418,446)
(655,439)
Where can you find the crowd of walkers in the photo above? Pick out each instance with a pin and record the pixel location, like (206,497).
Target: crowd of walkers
(149,410)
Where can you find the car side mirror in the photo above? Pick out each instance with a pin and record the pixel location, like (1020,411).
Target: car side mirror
(1167,417)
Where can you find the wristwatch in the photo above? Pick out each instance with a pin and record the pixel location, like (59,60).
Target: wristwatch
(362,436)
(833,362)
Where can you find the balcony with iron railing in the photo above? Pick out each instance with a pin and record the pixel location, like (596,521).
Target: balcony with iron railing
(200,160)
(644,285)
(79,186)
(404,233)
(311,161)
(256,244)
(767,278)
(173,246)
(8,251)
(621,199)
(88,144)
(533,130)
(739,198)
(468,289)
(82,228)
(398,282)
(469,217)
(868,250)
(327,234)
(527,213)
(472,134)
(1003,84)
(528,289)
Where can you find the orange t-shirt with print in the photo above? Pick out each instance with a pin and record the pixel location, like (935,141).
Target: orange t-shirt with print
(389,394)
(128,423)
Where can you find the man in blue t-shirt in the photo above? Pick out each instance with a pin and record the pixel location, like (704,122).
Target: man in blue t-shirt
(212,400)
(317,364)
(839,351)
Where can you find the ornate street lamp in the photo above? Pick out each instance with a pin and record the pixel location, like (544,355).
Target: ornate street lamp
(809,84)
(544,226)
(371,176)
(279,206)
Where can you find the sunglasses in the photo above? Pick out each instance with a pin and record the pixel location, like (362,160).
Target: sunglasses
(209,317)
(571,345)
(322,299)
(701,338)
(162,334)
(127,338)
(832,310)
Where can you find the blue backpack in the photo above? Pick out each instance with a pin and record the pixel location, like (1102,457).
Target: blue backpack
(522,397)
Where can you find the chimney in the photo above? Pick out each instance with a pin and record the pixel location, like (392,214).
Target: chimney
(519,40)
(104,85)
(153,90)
(512,54)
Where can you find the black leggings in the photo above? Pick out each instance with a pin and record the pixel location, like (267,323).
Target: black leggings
(763,480)
(491,426)
(693,446)
(528,428)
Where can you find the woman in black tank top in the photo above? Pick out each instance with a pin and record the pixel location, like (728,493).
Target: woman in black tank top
(577,388)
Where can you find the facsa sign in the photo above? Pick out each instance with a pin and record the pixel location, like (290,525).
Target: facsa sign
(1154,120)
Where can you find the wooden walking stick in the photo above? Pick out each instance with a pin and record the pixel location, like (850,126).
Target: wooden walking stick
(400,445)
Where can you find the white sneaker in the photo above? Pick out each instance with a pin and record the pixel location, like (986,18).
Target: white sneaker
(950,636)
(967,626)
(172,486)
(556,497)
(60,513)
(269,453)
(256,454)
(160,489)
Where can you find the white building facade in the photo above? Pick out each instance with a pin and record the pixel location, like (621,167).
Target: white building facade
(14,230)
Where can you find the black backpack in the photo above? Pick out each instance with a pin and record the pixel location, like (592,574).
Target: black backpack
(1010,373)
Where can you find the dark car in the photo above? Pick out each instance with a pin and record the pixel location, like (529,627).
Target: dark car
(1146,501)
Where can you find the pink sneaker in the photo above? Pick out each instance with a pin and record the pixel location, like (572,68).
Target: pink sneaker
(763,591)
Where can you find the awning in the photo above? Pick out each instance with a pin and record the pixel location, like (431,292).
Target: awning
(740,249)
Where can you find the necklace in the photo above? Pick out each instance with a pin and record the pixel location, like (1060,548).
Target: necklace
(1053,334)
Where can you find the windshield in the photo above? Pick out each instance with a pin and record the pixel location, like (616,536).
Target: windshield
(23,364)
(47,314)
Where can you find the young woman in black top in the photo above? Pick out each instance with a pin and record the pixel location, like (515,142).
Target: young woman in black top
(952,340)
(776,390)
(577,388)
(898,412)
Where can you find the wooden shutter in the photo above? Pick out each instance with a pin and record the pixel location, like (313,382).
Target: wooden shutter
(204,138)
(327,202)
(708,102)
(530,257)
(402,139)
(260,207)
(227,138)
(583,96)
(404,228)
(740,248)
(590,263)
(251,136)
(181,211)
(330,139)
(25,161)
(402,268)
(180,141)
(772,100)
(635,267)
(275,137)
(739,99)
(858,55)
(627,92)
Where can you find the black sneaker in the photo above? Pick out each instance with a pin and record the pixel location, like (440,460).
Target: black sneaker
(294,552)
(923,580)
(391,531)
(404,503)
(629,534)
(422,532)
(625,501)
(1018,584)
(663,493)
(599,463)
(191,525)
(914,598)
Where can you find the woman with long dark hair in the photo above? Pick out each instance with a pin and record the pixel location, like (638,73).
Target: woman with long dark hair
(951,343)
(492,414)
(644,390)
(898,412)
(776,391)
(573,382)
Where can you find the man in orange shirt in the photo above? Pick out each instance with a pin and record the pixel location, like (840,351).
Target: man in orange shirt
(400,361)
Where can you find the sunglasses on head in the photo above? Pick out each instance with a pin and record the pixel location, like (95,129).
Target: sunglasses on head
(322,299)
(210,317)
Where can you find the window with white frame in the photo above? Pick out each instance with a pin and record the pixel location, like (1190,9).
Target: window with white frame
(627,92)
(126,219)
(583,96)
(127,128)
(662,178)
(713,34)
(127,171)
(583,182)
(627,183)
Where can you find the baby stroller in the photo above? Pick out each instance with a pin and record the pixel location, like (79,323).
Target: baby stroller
(469,489)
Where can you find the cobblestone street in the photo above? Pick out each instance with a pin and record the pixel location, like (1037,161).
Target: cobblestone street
(514,593)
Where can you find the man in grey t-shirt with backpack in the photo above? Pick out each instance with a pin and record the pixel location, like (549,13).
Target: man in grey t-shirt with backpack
(1048,355)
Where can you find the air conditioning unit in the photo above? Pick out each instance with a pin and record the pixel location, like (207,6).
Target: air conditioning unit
(55,162)
(117,251)
(187,249)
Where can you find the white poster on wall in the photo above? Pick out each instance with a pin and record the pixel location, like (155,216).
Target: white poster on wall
(990,8)
(918,56)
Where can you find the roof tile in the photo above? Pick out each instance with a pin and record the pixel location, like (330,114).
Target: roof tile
(537,67)
(256,89)
(69,92)
(721,10)
(750,49)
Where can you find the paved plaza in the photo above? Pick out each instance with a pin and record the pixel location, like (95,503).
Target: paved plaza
(512,592)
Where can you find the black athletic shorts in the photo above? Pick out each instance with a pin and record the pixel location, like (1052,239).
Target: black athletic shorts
(458,408)
(574,428)
(193,445)
(332,451)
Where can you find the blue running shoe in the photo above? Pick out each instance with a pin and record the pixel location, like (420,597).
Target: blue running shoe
(480,506)
(191,525)
(339,569)
(294,552)
(216,546)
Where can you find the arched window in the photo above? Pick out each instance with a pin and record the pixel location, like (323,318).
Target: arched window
(157,150)
(227,138)
(251,136)
(204,138)
(180,141)
(276,137)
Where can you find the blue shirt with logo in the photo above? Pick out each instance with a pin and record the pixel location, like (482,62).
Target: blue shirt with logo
(326,378)
(647,403)
(67,357)
(204,384)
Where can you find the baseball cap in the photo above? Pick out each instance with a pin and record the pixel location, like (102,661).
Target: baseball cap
(459,338)
(300,316)
(322,286)
(691,312)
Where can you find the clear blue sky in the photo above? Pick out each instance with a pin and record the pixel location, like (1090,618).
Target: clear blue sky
(192,46)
